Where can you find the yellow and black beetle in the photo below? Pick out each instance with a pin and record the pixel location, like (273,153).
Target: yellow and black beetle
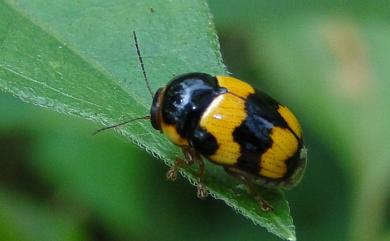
(227,121)
(233,125)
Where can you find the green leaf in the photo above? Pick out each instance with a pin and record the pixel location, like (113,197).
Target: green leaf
(79,59)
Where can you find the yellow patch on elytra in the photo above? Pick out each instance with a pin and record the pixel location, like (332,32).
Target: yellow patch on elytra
(171,133)
(235,86)
(291,120)
(273,161)
(223,115)
(270,174)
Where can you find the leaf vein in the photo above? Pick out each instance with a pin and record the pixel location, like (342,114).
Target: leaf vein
(47,86)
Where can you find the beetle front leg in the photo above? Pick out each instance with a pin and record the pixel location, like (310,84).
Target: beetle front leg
(179,162)
(191,156)
(172,172)
(202,192)
(194,156)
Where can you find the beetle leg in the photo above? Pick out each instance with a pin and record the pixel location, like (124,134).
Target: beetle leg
(248,181)
(193,156)
(179,162)
(202,192)
(190,156)
(172,172)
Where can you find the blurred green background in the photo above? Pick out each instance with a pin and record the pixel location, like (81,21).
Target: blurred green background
(327,60)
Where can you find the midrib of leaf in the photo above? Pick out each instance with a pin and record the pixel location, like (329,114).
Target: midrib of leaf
(17,74)
(218,189)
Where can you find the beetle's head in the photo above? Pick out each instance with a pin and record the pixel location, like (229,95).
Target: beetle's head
(155,110)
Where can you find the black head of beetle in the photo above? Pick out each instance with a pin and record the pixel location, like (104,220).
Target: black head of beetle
(182,102)
(155,113)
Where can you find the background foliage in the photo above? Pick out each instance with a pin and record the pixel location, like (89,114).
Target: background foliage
(327,60)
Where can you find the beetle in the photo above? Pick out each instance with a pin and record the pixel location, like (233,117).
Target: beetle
(228,122)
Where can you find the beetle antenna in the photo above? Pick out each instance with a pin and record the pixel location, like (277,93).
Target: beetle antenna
(121,124)
(141,61)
